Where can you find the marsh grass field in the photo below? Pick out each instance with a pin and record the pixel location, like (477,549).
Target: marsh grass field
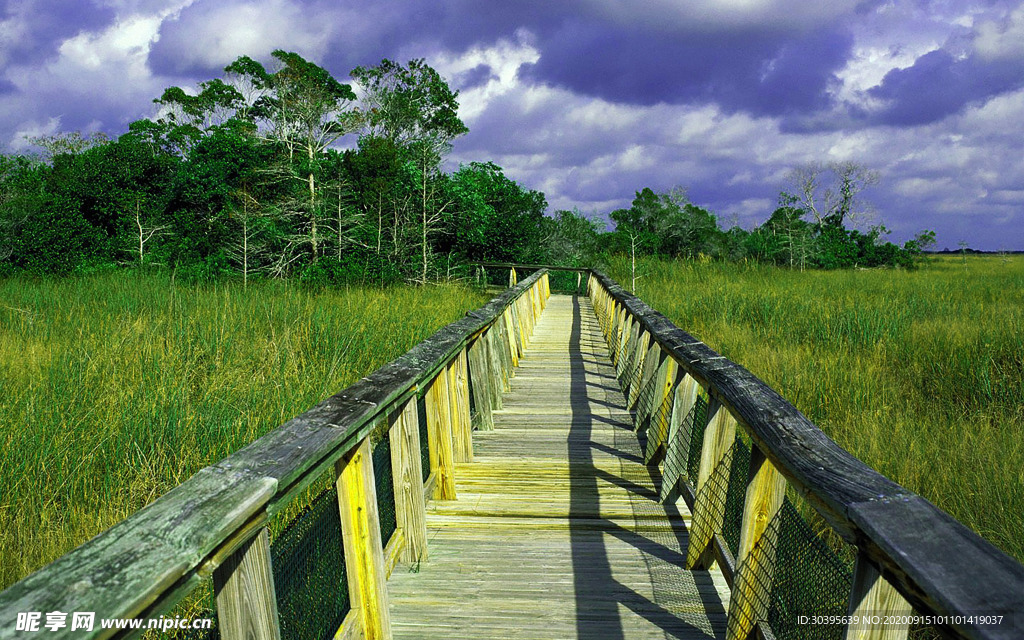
(115,388)
(918,373)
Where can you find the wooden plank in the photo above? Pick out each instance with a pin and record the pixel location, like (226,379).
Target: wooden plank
(766,488)
(669,378)
(707,513)
(350,627)
(458,392)
(871,595)
(496,356)
(677,449)
(244,584)
(510,331)
(483,382)
(645,390)
(439,432)
(407,475)
(643,346)
(360,534)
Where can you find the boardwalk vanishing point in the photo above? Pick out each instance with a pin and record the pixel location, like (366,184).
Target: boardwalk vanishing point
(558,531)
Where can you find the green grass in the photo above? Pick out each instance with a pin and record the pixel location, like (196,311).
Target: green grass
(918,373)
(115,388)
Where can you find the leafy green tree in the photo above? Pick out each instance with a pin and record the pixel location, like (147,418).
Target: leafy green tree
(493,217)
(305,110)
(413,107)
(571,239)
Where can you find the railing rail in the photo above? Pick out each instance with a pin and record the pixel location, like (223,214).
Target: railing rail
(910,553)
(215,523)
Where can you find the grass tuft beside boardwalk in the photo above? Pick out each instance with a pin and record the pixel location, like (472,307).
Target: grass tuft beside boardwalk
(115,388)
(918,373)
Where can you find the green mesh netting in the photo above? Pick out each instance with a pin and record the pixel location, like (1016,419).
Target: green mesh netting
(697,425)
(385,487)
(309,571)
(735,495)
(809,578)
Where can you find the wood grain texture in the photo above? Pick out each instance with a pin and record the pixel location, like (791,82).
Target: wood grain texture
(458,392)
(558,531)
(407,476)
(483,382)
(708,510)
(360,533)
(439,435)
(766,488)
(246,603)
(870,596)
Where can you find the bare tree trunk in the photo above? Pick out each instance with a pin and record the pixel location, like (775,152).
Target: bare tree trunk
(312,215)
(423,174)
(138,223)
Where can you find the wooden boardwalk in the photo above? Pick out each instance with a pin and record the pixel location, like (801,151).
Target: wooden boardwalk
(557,531)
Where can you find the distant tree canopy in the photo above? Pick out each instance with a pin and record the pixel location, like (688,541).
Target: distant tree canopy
(248,176)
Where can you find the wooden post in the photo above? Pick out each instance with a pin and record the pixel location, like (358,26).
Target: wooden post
(657,434)
(619,330)
(677,448)
(246,601)
(512,279)
(439,433)
(497,351)
(483,382)
(708,507)
(766,488)
(636,366)
(872,595)
(458,396)
(360,533)
(407,475)
(629,343)
(652,359)
(514,337)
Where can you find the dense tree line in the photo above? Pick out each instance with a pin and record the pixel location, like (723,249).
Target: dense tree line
(244,176)
(248,176)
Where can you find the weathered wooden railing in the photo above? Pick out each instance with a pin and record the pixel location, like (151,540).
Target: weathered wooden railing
(215,523)
(911,556)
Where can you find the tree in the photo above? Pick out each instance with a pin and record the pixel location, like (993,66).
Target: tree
(492,217)
(413,107)
(571,239)
(831,193)
(302,107)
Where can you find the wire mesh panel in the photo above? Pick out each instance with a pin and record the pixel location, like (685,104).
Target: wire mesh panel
(810,579)
(421,411)
(309,571)
(736,494)
(710,503)
(385,488)
(698,423)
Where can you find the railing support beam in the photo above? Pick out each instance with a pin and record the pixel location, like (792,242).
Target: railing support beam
(360,534)
(244,585)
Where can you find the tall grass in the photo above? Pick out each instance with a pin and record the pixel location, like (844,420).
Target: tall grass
(115,388)
(918,373)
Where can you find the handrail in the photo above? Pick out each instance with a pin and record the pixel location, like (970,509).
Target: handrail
(934,562)
(215,522)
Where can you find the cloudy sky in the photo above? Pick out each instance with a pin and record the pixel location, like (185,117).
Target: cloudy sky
(591,100)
